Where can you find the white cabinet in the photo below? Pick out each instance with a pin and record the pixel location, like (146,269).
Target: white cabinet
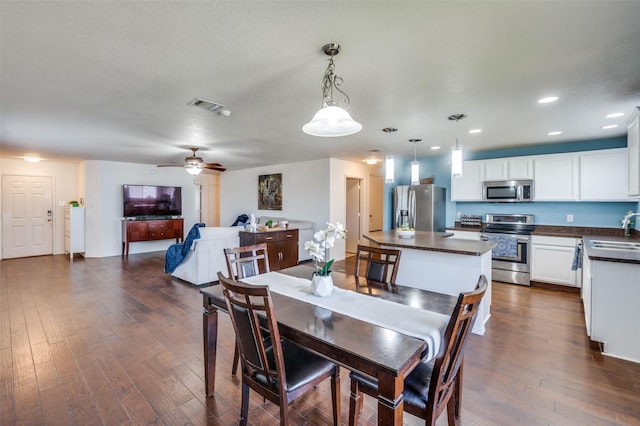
(469,186)
(551,260)
(464,235)
(508,168)
(556,177)
(586,290)
(73,230)
(603,175)
(614,312)
(633,146)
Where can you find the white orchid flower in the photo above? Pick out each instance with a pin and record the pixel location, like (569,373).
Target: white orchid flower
(326,239)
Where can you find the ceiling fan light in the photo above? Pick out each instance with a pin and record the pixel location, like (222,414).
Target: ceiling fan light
(193,170)
(332,121)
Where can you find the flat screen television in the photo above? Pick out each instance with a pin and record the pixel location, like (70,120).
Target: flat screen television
(151,200)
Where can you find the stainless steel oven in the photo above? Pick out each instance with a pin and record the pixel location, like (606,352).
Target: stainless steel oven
(511,256)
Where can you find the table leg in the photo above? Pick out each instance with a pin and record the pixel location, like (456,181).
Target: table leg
(210,338)
(390,401)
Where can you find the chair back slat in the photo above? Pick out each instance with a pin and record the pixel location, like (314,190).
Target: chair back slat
(450,357)
(381,266)
(247,261)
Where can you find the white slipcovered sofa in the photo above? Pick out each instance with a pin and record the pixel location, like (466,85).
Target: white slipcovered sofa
(206,256)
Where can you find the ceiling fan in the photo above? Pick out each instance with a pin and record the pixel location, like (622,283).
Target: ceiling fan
(195,164)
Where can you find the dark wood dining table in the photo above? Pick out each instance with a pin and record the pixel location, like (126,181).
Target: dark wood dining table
(379,352)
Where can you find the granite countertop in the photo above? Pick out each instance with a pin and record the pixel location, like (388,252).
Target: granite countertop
(558,231)
(623,256)
(432,241)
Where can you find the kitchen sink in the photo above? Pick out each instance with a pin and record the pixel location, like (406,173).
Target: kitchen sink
(615,245)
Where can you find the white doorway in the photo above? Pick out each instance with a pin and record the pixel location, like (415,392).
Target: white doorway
(353,213)
(27,216)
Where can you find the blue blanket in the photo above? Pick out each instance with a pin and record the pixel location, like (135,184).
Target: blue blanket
(177,252)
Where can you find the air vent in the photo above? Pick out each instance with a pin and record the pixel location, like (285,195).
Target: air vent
(205,104)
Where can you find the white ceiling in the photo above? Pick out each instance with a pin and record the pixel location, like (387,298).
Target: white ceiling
(110,80)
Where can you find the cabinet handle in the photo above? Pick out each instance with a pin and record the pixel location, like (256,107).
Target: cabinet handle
(268,238)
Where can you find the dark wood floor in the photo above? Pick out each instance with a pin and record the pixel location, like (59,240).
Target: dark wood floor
(115,341)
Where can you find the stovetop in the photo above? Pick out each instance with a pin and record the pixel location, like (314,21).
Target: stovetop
(521,224)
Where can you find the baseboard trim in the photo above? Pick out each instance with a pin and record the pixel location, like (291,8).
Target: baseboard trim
(558,287)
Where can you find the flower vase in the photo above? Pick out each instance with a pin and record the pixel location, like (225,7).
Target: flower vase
(321,285)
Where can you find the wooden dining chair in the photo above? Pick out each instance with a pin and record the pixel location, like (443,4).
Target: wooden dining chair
(247,261)
(437,384)
(244,262)
(276,369)
(381,267)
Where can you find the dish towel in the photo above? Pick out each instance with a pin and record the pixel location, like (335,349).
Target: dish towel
(177,252)
(506,246)
(577,258)
(425,325)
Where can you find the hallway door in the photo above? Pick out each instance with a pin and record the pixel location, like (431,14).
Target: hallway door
(27,216)
(376,190)
(353,215)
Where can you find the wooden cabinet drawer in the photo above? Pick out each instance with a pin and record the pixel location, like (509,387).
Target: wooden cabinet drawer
(157,225)
(267,237)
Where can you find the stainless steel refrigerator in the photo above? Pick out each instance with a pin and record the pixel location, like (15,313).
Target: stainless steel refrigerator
(423,206)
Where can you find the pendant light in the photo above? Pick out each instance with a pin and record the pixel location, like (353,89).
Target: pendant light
(456,151)
(389,161)
(415,165)
(332,120)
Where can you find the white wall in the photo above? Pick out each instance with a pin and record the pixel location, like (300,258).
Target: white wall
(65,188)
(305,192)
(311,190)
(103,202)
(340,171)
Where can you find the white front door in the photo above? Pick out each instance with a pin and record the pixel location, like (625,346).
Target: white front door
(27,213)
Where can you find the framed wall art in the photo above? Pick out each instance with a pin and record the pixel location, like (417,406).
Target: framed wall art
(270,192)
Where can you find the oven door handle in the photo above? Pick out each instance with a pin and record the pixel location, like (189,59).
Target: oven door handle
(524,240)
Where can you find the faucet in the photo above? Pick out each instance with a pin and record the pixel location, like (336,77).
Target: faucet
(627,218)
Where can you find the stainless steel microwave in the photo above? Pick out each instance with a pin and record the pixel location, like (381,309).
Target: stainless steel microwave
(507,191)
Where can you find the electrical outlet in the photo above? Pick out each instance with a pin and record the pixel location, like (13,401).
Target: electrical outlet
(569,218)
(458,215)
(62,203)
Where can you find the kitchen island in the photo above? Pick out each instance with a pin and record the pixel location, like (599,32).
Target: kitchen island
(436,262)
(610,292)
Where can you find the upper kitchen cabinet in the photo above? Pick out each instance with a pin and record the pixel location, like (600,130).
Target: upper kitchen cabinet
(469,186)
(508,168)
(556,177)
(603,175)
(633,147)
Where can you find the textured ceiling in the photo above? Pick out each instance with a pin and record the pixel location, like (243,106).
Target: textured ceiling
(111,80)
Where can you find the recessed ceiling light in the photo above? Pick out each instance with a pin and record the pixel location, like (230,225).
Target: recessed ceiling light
(475,131)
(547,99)
(556,133)
(610,126)
(435,147)
(32,158)
(614,115)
